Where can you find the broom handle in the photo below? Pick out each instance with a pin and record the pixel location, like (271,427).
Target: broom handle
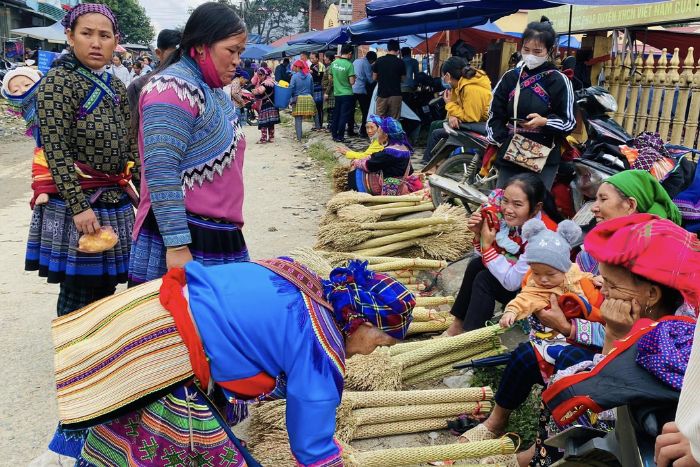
(394,238)
(386,249)
(434,301)
(372,260)
(402,204)
(407,224)
(448,359)
(390,199)
(398,211)
(424,314)
(398,457)
(374,415)
(420,327)
(437,347)
(399,428)
(416,263)
(445,370)
(383,233)
(360,399)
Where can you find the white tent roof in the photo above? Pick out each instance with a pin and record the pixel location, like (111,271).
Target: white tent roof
(54,33)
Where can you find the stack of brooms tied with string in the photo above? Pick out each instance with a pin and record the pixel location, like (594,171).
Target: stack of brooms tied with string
(364,231)
(363,207)
(363,415)
(406,364)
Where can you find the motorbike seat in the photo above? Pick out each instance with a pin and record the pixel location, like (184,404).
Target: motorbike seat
(477,127)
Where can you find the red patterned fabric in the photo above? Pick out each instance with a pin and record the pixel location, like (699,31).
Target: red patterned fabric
(653,248)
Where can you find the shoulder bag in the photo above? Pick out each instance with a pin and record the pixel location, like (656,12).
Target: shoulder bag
(523,151)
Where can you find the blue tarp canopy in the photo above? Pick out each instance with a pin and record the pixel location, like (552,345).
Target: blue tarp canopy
(563,40)
(336,35)
(384,27)
(292,50)
(479,7)
(255,51)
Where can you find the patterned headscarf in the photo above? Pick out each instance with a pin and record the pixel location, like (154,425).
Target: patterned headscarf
(303,67)
(664,352)
(264,71)
(72,16)
(359,295)
(376,119)
(393,129)
(653,248)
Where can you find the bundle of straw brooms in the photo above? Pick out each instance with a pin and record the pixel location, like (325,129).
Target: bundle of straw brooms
(427,320)
(391,368)
(370,415)
(360,229)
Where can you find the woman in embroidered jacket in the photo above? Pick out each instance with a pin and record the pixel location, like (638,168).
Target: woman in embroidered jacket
(192,147)
(84,121)
(247,332)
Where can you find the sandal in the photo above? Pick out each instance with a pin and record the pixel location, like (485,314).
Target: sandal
(262,141)
(271,140)
(478,433)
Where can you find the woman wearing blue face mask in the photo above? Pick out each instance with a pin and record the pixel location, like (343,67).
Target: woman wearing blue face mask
(468,93)
(545,107)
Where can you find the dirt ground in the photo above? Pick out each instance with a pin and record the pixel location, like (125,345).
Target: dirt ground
(285,194)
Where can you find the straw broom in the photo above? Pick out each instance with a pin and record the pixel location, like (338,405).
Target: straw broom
(401,236)
(446,369)
(425,314)
(347,198)
(422,327)
(434,301)
(339,176)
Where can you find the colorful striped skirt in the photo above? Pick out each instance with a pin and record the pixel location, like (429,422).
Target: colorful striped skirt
(52,247)
(213,242)
(304,106)
(268,116)
(182,428)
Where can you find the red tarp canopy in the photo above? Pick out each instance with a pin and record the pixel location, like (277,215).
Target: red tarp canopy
(669,39)
(478,39)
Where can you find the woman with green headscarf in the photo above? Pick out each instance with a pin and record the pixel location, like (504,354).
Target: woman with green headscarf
(625,193)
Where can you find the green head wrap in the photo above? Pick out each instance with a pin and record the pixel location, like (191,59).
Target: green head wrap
(650,195)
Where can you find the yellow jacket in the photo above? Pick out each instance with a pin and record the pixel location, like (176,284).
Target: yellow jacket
(470,101)
(375,146)
(534,298)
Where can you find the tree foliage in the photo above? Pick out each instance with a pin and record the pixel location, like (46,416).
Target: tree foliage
(272,19)
(134,23)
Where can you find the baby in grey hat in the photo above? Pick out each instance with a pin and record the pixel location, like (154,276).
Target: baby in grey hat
(551,271)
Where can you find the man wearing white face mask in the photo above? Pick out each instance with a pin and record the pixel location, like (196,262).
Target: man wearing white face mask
(545,105)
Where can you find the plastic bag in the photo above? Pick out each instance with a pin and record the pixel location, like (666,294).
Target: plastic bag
(102,240)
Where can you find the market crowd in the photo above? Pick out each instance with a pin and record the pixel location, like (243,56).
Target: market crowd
(137,177)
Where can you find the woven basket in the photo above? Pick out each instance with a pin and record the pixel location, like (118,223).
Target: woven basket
(398,457)
(442,371)
(417,397)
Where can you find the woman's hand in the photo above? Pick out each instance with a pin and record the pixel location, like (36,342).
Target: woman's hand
(86,222)
(620,316)
(598,281)
(507,320)
(535,121)
(474,223)
(673,449)
(454,122)
(177,257)
(554,318)
(488,236)
(447,94)
(341,150)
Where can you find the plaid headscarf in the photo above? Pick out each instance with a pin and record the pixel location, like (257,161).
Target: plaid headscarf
(72,16)
(653,248)
(664,352)
(360,295)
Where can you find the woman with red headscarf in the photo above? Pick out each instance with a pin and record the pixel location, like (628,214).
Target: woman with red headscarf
(302,88)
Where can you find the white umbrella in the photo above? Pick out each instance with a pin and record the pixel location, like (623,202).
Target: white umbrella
(55,33)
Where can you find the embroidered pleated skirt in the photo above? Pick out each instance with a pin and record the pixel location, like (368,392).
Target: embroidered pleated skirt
(52,246)
(213,242)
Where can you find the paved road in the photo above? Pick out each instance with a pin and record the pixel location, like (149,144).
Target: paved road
(284,196)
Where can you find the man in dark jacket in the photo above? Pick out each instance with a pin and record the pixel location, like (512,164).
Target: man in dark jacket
(282,71)
(389,72)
